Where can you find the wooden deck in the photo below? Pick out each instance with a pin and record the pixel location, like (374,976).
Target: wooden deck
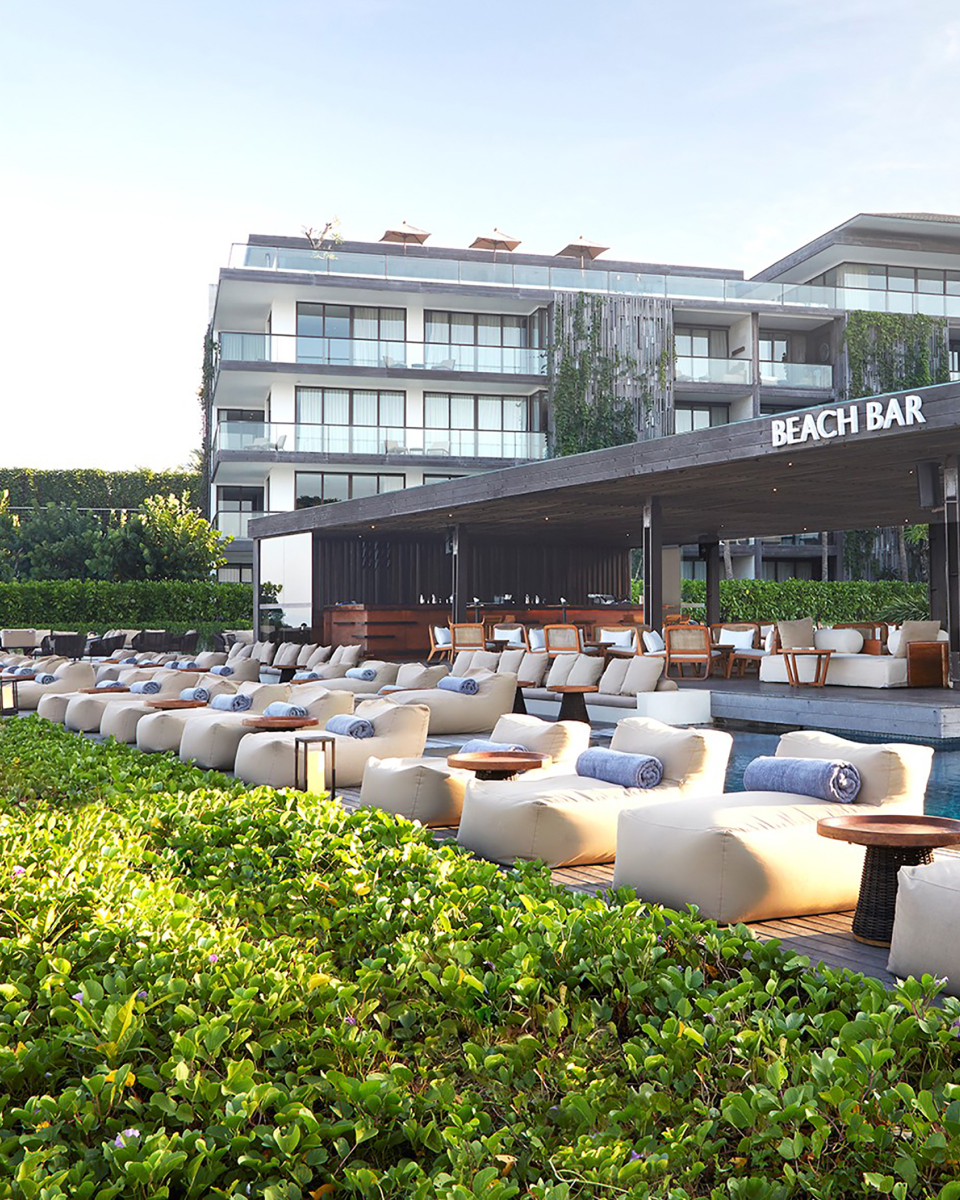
(823,939)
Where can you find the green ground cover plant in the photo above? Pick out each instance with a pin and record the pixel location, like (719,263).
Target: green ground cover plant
(210,991)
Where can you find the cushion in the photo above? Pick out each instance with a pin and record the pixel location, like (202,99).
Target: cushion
(622,639)
(266,652)
(842,641)
(823,779)
(796,635)
(916,631)
(243,650)
(557,739)
(413,675)
(304,653)
(350,655)
(442,636)
(536,639)
(611,681)
(560,670)
(510,661)
(614,766)
(508,636)
(484,660)
(586,672)
(739,639)
(653,643)
(642,675)
(320,655)
(286,655)
(770,638)
(888,772)
(683,752)
(926,929)
(533,668)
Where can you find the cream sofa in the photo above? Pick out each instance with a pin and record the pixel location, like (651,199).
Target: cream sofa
(427,790)
(164,730)
(399,730)
(84,713)
(70,677)
(753,856)
(213,741)
(620,682)
(451,712)
(849,666)
(570,818)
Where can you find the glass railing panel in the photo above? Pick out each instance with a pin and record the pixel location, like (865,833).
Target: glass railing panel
(902,302)
(933,306)
(576,279)
(287,436)
(356,264)
(952,306)
(798,375)
(242,435)
(713,370)
(746,289)
(690,287)
(492,272)
(865,299)
(236,524)
(244,347)
(809,294)
(436,269)
(626,283)
(530,276)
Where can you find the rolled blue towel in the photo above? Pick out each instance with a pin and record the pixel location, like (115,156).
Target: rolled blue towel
(367,674)
(462,684)
(350,726)
(132,659)
(627,770)
(44,679)
(483,746)
(110,683)
(280,708)
(25,672)
(189,665)
(306,675)
(225,671)
(239,702)
(823,779)
(199,695)
(149,687)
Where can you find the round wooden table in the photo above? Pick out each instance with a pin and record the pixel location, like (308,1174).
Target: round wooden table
(497,764)
(111,691)
(891,842)
(280,724)
(573,707)
(176,704)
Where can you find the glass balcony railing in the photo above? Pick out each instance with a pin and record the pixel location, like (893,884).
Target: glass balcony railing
(714,370)
(569,278)
(796,375)
(286,437)
(382,354)
(236,523)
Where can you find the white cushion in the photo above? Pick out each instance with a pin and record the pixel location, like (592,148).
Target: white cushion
(266,653)
(586,671)
(843,641)
(510,661)
(769,638)
(890,773)
(622,639)
(345,656)
(612,679)
(286,655)
(739,639)
(305,653)
(926,929)
(320,655)
(653,642)
(563,664)
(642,675)
(536,639)
(915,631)
(442,636)
(563,741)
(533,669)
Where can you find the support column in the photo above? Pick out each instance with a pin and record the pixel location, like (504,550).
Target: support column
(255,588)
(710,553)
(652,563)
(316,587)
(951,562)
(460,581)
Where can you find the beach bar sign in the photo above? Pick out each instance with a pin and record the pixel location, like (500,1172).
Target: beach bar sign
(840,422)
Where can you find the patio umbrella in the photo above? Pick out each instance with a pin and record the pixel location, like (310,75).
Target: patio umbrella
(581,249)
(495,241)
(405,233)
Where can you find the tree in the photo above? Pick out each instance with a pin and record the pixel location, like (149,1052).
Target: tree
(57,541)
(166,540)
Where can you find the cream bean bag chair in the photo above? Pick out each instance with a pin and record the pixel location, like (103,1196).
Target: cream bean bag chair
(570,818)
(415,676)
(428,791)
(212,740)
(754,856)
(84,713)
(70,677)
(336,666)
(926,929)
(452,712)
(385,673)
(399,729)
(120,721)
(164,730)
(54,708)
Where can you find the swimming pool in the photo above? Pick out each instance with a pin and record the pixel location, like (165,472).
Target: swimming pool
(943,790)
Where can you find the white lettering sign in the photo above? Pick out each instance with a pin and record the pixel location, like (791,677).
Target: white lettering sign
(816,427)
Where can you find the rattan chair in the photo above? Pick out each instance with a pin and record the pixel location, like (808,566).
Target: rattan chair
(504,636)
(689,646)
(441,645)
(467,637)
(561,639)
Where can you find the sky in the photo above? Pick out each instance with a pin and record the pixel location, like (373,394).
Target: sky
(137,142)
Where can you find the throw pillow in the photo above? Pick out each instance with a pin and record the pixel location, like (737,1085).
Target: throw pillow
(796,635)
(916,631)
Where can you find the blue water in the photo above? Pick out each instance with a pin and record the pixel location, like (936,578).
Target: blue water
(943,790)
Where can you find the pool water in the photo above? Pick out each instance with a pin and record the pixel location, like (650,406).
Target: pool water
(943,790)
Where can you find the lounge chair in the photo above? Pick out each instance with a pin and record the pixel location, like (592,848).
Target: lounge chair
(69,677)
(164,730)
(84,713)
(452,712)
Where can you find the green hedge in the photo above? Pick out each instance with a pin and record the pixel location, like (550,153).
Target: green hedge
(90,488)
(96,605)
(208,991)
(766,600)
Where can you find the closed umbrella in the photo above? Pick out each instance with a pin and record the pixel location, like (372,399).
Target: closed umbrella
(495,241)
(405,234)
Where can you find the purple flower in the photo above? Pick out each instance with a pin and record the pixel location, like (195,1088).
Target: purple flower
(634,1156)
(349,1020)
(78,996)
(955,1026)
(121,1139)
(18,871)
(213,958)
(141,995)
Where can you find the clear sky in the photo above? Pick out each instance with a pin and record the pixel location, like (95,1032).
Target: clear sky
(138,141)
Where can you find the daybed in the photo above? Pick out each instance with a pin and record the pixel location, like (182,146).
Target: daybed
(753,856)
(451,712)
(164,730)
(69,677)
(849,666)
(567,819)
(427,790)
(54,708)
(85,712)
(399,729)
(121,721)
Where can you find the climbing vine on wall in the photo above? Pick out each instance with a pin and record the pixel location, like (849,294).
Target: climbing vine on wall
(888,352)
(205,399)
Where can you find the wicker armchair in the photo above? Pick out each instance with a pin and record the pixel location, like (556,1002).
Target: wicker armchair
(561,639)
(467,637)
(689,646)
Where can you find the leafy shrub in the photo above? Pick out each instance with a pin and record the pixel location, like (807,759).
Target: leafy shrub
(91,488)
(766,600)
(214,992)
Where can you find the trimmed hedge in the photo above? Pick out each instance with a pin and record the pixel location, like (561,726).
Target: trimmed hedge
(766,600)
(91,488)
(213,992)
(96,605)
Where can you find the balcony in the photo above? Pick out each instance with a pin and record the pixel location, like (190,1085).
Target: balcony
(236,523)
(382,355)
(714,370)
(287,437)
(810,376)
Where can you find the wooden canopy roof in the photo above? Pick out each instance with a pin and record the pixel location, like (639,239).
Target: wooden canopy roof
(726,482)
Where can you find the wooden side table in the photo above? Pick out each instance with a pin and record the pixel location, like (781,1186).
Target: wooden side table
(891,842)
(176,705)
(573,707)
(822,663)
(280,724)
(928,664)
(497,764)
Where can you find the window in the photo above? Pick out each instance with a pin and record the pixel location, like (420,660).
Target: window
(236,573)
(784,568)
(325,487)
(241,414)
(239,499)
(693,568)
(351,406)
(351,321)
(774,347)
(689,417)
(483,329)
(451,410)
(877,277)
(701,343)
